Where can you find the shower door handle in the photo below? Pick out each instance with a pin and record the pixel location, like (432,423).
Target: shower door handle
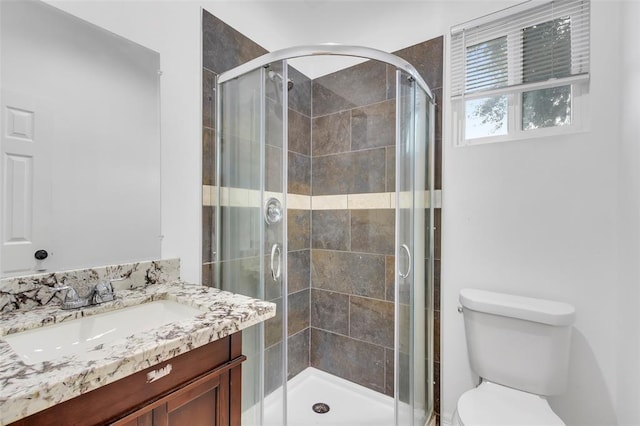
(406,274)
(276,270)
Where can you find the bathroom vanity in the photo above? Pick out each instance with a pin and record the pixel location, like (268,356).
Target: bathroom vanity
(200,387)
(174,355)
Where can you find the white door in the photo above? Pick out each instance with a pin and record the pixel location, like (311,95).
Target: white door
(26,184)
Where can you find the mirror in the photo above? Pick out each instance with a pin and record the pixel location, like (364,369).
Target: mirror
(80,143)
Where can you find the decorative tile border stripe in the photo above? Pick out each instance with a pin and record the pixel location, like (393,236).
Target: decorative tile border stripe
(330,202)
(378,200)
(30,291)
(240,197)
(299,202)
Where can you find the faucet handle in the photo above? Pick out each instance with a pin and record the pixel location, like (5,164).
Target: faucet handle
(71,298)
(64,287)
(71,293)
(103,292)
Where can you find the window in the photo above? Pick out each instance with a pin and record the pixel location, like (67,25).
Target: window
(521,73)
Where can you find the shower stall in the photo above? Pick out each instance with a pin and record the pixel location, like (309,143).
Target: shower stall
(324,207)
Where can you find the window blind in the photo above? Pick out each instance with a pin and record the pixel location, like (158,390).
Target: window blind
(535,47)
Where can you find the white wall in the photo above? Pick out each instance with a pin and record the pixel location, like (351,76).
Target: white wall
(628,326)
(538,218)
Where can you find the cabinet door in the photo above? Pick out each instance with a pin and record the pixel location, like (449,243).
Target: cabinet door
(212,399)
(202,403)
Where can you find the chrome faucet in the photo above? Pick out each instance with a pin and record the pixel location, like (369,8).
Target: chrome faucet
(72,299)
(101,292)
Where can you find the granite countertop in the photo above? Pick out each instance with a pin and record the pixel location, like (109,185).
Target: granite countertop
(27,389)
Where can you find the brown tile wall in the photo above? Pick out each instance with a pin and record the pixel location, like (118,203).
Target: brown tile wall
(352,309)
(299,226)
(353,124)
(299,221)
(353,134)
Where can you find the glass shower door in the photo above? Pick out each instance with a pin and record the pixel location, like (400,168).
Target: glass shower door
(251,209)
(412,371)
(274,204)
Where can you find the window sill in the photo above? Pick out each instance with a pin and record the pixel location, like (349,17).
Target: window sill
(527,135)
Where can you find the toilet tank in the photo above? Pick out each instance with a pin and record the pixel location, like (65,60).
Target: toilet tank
(516,341)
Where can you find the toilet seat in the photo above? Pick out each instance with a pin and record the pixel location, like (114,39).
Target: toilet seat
(491,404)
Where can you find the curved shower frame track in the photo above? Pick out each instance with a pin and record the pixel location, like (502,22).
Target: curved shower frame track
(332,49)
(326,49)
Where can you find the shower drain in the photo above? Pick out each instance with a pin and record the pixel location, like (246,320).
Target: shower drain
(320,408)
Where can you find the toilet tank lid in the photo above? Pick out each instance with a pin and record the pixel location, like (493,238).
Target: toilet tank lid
(525,308)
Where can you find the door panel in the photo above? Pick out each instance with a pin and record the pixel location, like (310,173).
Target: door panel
(26,184)
(275,205)
(405,259)
(240,267)
(412,282)
(252,211)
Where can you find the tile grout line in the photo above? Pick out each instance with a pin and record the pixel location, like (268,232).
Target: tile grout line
(341,111)
(353,338)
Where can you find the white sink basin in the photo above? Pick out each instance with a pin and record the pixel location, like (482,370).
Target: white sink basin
(83,334)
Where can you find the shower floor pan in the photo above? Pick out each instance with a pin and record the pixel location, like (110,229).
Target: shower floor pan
(349,404)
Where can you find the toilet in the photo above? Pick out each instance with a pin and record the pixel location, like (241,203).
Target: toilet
(519,346)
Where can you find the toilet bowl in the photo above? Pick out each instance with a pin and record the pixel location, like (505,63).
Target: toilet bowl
(519,347)
(491,404)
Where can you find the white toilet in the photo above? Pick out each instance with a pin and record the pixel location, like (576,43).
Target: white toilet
(519,346)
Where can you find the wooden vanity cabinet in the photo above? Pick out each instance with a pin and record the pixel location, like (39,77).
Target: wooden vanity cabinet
(198,388)
(202,402)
